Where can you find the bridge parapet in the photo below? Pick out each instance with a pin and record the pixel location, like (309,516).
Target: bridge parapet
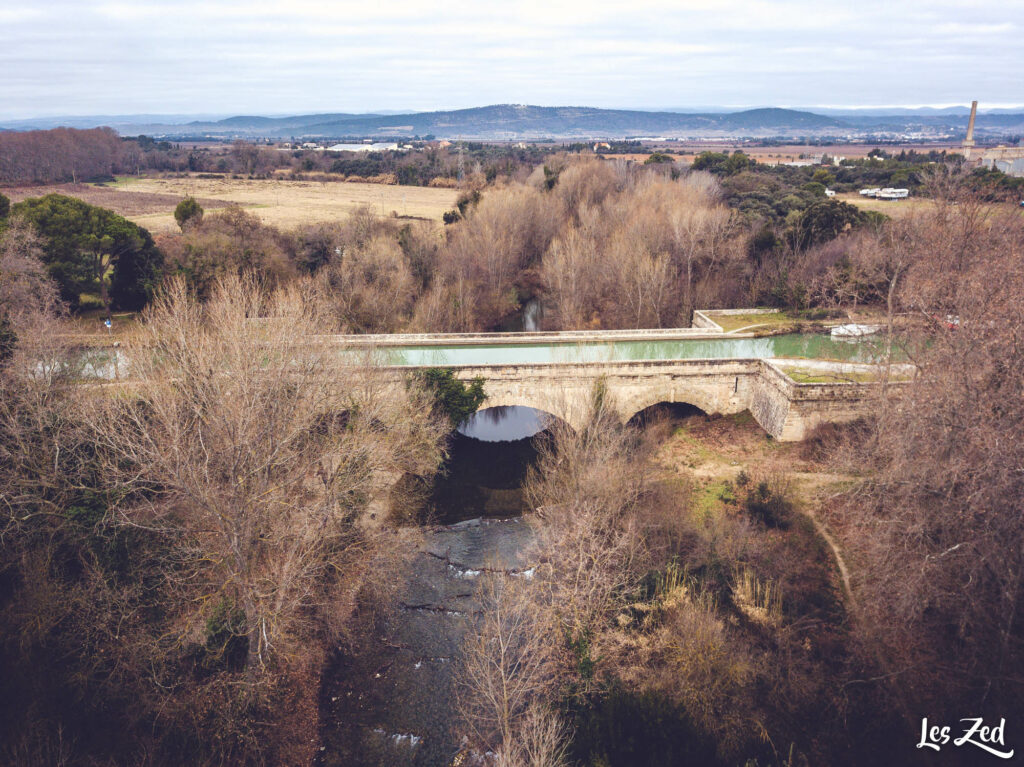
(532,337)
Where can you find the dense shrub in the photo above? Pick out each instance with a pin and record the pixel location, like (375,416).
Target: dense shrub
(453,398)
(768,501)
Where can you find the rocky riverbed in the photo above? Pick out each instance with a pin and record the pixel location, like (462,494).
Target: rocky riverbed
(388,698)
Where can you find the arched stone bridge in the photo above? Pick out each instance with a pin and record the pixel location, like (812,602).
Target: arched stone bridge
(785,409)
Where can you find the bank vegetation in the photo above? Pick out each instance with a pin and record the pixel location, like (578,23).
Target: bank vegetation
(181,551)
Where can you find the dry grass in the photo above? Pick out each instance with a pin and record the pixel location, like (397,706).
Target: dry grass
(901,208)
(812,375)
(288,204)
(715,449)
(760,600)
(150,202)
(784,321)
(891,208)
(130,204)
(755,321)
(87,329)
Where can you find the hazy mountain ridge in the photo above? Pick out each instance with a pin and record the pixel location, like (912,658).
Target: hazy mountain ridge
(524,121)
(516,121)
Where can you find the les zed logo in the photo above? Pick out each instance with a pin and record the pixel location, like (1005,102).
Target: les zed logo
(975,734)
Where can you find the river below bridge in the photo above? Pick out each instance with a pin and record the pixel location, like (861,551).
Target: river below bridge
(387,698)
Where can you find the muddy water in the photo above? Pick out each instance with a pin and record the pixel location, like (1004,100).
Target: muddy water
(388,698)
(490,455)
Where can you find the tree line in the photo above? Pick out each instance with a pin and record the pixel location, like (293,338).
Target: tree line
(96,155)
(655,632)
(177,555)
(604,244)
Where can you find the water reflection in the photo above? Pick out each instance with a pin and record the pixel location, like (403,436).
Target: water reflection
(488,459)
(504,423)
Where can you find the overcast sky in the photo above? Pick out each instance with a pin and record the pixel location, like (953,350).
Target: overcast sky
(81,57)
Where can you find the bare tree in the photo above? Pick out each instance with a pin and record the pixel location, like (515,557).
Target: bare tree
(371,286)
(507,664)
(506,233)
(541,739)
(637,254)
(700,232)
(247,439)
(586,486)
(937,527)
(29,302)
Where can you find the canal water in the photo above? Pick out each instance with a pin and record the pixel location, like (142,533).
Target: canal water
(799,345)
(104,363)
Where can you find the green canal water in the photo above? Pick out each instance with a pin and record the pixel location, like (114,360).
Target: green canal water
(801,345)
(109,364)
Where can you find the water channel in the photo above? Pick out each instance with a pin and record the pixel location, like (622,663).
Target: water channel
(801,345)
(389,699)
(112,363)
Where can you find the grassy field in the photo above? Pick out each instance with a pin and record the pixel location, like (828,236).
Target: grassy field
(901,208)
(758,321)
(288,204)
(87,329)
(150,202)
(785,321)
(891,208)
(131,205)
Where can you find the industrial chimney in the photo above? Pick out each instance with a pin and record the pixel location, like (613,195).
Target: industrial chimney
(969,141)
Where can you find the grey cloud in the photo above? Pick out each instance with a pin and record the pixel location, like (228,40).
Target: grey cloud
(152,56)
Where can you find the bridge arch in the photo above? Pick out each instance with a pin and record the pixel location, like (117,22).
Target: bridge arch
(503,423)
(672,410)
(568,406)
(634,405)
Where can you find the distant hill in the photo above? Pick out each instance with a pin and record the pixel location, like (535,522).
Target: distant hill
(512,121)
(525,122)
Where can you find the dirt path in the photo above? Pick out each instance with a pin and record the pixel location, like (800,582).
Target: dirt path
(844,573)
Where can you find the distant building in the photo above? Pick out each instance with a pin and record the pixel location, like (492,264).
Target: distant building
(1009,166)
(1008,159)
(380,147)
(886,193)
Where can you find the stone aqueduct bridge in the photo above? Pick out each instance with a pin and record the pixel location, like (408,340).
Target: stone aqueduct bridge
(787,410)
